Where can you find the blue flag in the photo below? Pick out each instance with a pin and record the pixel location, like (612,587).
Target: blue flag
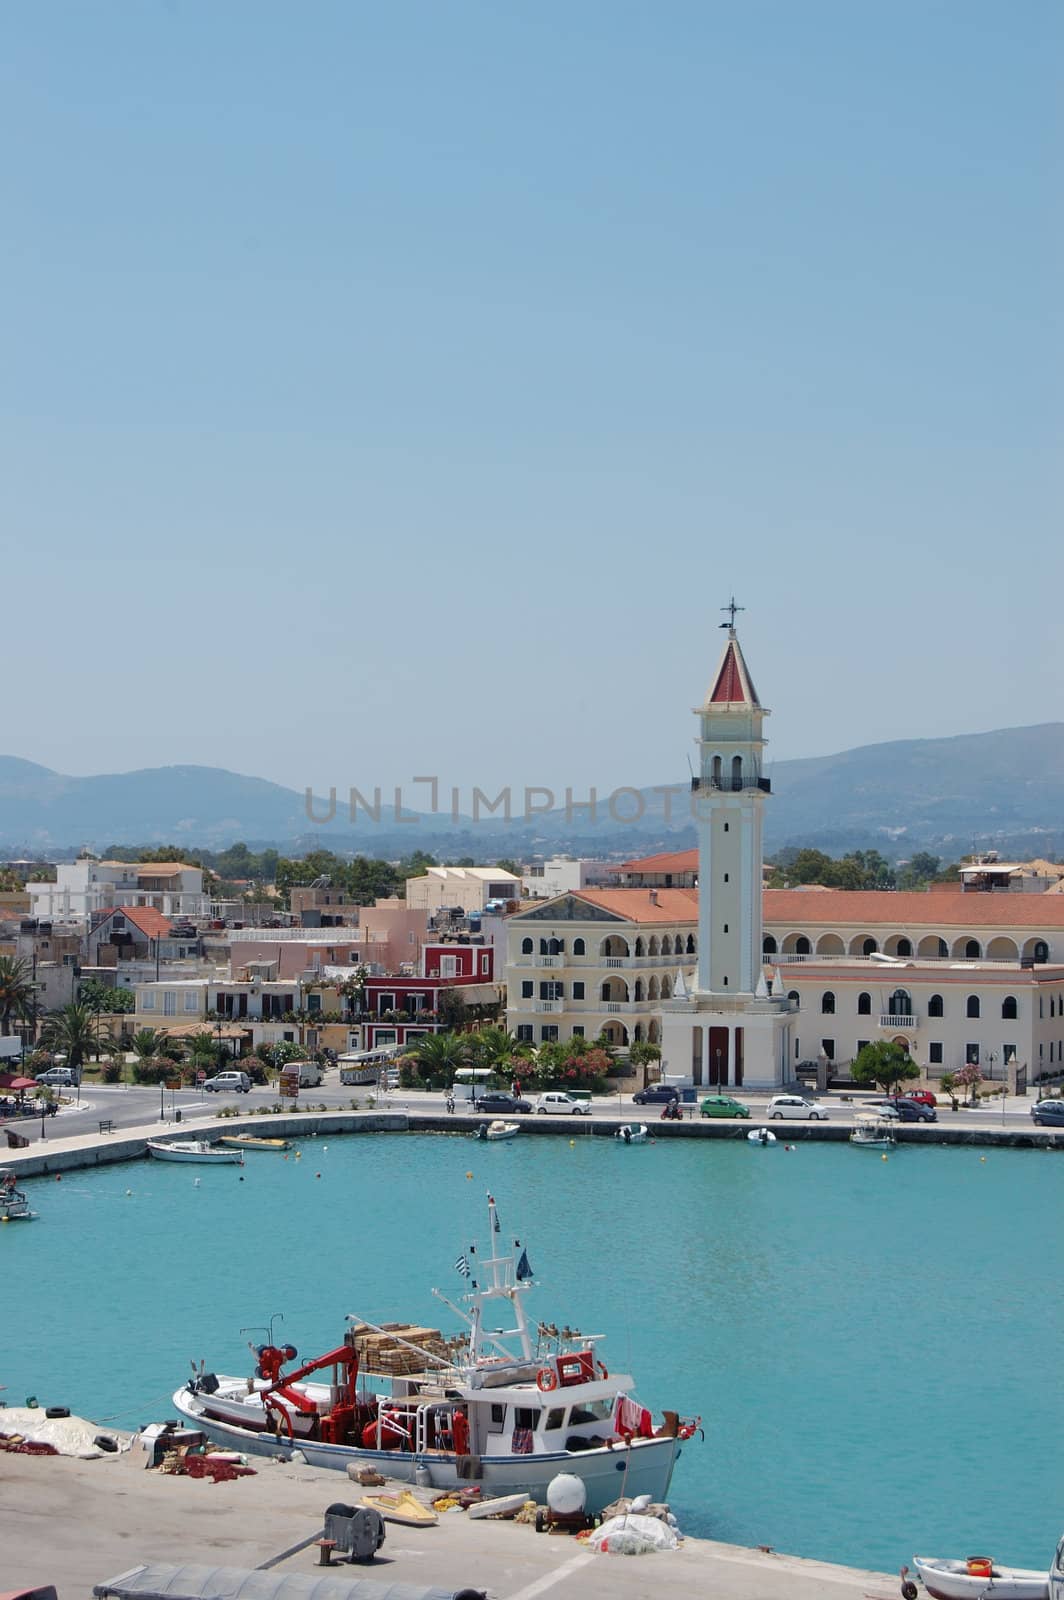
(523,1269)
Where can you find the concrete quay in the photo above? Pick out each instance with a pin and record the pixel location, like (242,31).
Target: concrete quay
(78,1523)
(58,1155)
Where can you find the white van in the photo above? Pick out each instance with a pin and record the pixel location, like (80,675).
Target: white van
(309,1073)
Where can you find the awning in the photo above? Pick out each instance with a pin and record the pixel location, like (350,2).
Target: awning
(475,994)
(159,1580)
(9,1080)
(188,1030)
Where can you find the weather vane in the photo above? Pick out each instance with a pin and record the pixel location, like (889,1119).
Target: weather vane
(731,608)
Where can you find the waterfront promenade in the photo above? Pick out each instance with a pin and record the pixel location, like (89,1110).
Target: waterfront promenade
(77,1523)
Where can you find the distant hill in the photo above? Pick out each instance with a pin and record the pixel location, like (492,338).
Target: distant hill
(1004,788)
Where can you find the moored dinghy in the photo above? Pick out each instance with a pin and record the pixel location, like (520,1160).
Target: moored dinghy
(632,1133)
(977,1576)
(192,1150)
(14,1207)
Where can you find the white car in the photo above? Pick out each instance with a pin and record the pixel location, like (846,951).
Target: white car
(228,1083)
(557,1100)
(796,1105)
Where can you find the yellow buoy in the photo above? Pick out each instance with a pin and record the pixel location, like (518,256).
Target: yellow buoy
(982,1158)
(571,1143)
(469,1174)
(884,1158)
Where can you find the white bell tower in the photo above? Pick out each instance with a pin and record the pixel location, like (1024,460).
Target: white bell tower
(729,1030)
(731,790)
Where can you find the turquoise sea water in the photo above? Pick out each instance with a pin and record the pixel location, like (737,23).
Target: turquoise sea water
(873,1345)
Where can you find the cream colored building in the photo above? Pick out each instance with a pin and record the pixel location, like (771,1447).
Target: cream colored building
(598,962)
(470,888)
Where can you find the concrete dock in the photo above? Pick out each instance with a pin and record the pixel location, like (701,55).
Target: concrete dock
(77,1523)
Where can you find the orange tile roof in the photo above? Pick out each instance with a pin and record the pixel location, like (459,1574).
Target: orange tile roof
(865,907)
(146,918)
(668,861)
(645,905)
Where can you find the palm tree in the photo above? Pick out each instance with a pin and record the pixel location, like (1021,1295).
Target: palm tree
(492,1047)
(16,991)
(73,1031)
(439,1055)
(147,1043)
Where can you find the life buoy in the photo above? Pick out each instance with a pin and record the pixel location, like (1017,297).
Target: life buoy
(290,1352)
(546,1379)
(602,1371)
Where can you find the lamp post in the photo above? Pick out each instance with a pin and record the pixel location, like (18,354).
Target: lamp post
(991,1061)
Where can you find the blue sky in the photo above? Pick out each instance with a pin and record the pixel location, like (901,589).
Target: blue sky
(400,389)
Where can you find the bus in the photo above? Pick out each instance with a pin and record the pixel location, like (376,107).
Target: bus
(368,1066)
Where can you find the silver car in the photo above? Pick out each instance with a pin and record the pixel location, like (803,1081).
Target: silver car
(796,1105)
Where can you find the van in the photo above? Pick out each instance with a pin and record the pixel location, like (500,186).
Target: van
(309,1073)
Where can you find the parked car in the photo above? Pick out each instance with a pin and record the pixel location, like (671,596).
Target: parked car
(796,1105)
(914,1110)
(228,1083)
(495,1101)
(655,1094)
(1049,1113)
(923,1097)
(60,1077)
(722,1105)
(557,1101)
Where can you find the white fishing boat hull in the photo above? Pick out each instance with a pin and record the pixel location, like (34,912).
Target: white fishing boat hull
(209,1154)
(633,1133)
(950,1580)
(17,1211)
(644,1466)
(503,1130)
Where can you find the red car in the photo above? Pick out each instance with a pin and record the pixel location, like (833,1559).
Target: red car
(923,1097)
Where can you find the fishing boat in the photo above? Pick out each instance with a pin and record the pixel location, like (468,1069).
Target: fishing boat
(978,1576)
(632,1133)
(14,1207)
(191,1150)
(403,1507)
(248,1141)
(761,1136)
(505,1403)
(498,1130)
(871,1132)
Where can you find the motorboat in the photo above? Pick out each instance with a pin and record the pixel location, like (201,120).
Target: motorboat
(249,1141)
(872,1132)
(192,1150)
(14,1207)
(505,1403)
(761,1136)
(498,1130)
(977,1576)
(633,1133)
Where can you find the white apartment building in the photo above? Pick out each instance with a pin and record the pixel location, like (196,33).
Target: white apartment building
(470,888)
(542,880)
(83,887)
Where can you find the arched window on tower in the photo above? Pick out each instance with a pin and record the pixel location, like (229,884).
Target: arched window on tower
(737,772)
(716,774)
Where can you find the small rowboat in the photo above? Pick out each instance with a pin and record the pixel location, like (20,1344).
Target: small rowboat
(191,1150)
(632,1133)
(977,1576)
(248,1141)
(503,1505)
(761,1136)
(403,1507)
(498,1130)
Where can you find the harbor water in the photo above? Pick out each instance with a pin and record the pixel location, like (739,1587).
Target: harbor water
(872,1344)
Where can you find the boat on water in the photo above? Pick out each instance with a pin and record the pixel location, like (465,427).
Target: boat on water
(191,1150)
(871,1132)
(249,1141)
(977,1576)
(14,1207)
(498,1130)
(761,1136)
(505,1404)
(632,1133)
(403,1507)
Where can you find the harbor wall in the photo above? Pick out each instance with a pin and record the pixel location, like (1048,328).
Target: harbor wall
(97,1150)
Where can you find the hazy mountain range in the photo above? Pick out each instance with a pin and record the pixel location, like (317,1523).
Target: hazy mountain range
(1004,788)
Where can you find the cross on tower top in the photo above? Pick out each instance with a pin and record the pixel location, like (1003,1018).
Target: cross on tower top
(731,608)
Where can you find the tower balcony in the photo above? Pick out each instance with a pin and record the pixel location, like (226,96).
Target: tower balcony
(730,785)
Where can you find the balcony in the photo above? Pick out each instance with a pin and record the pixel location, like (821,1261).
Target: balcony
(550,1005)
(897,1023)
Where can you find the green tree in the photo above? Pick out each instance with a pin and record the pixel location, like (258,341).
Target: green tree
(949,1086)
(147,1043)
(884,1063)
(509,866)
(492,1047)
(16,991)
(101,1000)
(73,1031)
(438,1057)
